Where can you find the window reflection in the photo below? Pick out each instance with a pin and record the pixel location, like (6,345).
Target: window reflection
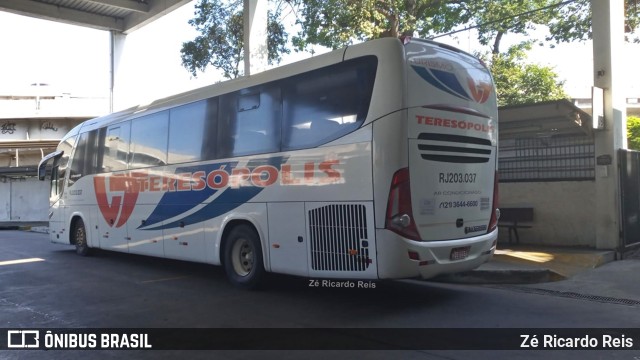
(326,104)
(250,121)
(149,140)
(193,131)
(302,111)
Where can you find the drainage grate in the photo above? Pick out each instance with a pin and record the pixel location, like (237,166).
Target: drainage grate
(573,295)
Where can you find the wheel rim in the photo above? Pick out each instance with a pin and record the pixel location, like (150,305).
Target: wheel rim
(80,238)
(242,257)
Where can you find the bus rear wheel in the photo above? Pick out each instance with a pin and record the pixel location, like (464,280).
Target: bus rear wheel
(243,257)
(80,238)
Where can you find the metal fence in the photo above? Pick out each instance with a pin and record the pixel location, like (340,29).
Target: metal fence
(557,158)
(630,193)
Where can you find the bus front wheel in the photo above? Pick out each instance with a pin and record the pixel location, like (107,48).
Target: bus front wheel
(80,238)
(243,257)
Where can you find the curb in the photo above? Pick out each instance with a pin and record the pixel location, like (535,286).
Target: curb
(531,266)
(493,277)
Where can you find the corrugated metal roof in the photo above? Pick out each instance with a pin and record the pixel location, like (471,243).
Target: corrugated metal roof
(548,118)
(118,15)
(94,7)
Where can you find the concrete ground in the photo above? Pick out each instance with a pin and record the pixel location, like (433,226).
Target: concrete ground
(572,272)
(561,271)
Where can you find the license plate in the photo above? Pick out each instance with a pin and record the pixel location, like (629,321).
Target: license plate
(460,253)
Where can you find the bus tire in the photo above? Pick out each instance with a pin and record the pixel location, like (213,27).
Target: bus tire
(243,262)
(79,234)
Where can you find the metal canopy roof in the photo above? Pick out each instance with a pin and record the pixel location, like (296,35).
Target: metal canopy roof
(122,16)
(549,118)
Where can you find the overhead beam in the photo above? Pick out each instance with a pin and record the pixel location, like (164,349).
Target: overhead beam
(61,14)
(123,4)
(157,9)
(28,144)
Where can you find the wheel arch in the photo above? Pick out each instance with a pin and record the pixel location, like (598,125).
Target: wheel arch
(73,219)
(230,224)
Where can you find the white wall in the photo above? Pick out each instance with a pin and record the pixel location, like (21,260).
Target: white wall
(24,200)
(564,212)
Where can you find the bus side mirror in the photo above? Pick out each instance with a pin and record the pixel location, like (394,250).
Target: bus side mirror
(42,166)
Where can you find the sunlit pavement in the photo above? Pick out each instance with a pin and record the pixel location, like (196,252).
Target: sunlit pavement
(564,271)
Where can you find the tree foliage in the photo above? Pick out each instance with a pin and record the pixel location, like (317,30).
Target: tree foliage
(495,19)
(633,132)
(573,22)
(221,41)
(520,83)
(336,23)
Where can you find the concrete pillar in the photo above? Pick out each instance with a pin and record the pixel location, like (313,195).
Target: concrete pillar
(117,49)
(255,36)
(609,74)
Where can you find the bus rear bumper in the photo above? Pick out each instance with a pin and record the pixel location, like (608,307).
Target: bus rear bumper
(399,257)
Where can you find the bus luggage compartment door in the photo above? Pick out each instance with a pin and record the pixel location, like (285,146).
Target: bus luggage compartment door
(287,240)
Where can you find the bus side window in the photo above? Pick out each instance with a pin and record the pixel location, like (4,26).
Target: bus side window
(192,131)
(55,183)
(63,162)
(149,137)
(325,104)
(116,148)
(87,157)
(250,122)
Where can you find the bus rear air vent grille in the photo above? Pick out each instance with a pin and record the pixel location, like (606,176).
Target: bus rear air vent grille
(338,236)
(454,148)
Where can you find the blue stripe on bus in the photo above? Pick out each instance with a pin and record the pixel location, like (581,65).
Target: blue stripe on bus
(230,198)
(443,80)
(177,202)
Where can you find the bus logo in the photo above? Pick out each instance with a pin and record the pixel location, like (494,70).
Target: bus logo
(479,91)
(448,82)
(124,195)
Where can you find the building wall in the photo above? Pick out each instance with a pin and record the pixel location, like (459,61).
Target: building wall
(24,200)
(564,212)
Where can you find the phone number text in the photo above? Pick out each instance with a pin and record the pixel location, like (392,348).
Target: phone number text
(458,204)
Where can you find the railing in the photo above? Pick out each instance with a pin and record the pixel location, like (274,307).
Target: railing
(560,158)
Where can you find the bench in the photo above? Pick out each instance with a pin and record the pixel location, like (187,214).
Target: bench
(512,217)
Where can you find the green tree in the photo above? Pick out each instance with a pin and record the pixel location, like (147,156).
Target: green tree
(220,43)
(520,83)
(336,23)
(573,22)
(633,132)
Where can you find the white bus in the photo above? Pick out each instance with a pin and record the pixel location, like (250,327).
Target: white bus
(377,161)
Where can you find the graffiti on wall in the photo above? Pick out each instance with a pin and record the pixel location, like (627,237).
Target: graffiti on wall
(8,127)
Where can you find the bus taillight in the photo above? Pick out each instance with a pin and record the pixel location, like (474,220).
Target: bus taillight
(495,212)
(399,211)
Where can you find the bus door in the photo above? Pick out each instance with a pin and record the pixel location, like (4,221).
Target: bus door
(56,212)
